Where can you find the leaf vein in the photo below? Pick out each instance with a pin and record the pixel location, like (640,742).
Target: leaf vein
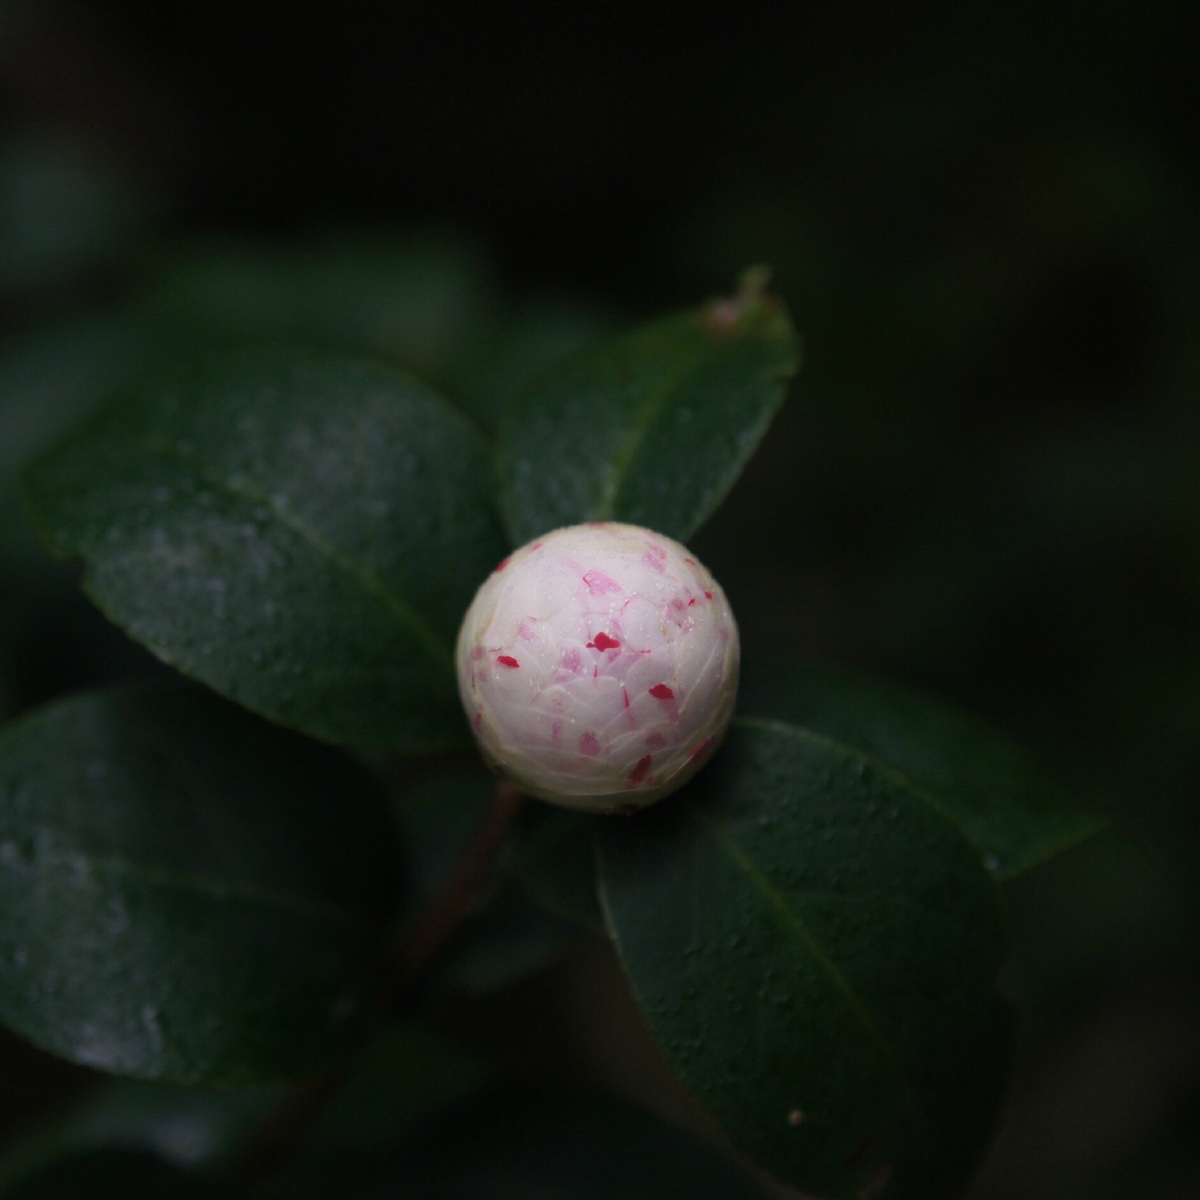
(203,885)
(644,417)
(792,920)
(368,579)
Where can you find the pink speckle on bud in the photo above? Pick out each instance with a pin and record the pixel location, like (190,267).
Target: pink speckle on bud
(503,563)
(626,682)
(655,557)
(600,584)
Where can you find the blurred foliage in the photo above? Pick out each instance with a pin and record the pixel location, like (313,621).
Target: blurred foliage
(984,222)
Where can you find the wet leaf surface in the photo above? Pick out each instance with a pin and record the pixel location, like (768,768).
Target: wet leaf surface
(300,532)
(190,894)
(652,427)
(816,948)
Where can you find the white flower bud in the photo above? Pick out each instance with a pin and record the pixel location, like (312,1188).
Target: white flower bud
(598,666)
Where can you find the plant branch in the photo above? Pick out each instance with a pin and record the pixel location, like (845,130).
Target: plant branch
(458,896)
(282,1133)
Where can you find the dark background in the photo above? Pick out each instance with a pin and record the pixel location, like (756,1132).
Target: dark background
(984,219)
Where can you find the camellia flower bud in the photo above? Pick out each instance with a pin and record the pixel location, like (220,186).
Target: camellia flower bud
(598,666)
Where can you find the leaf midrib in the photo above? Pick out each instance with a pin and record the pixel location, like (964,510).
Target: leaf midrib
(922,793)
(208,887)
(779,902)
(793,921)
(645,416)
(245,489)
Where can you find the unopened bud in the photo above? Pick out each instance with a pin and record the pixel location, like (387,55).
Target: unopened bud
(598,666)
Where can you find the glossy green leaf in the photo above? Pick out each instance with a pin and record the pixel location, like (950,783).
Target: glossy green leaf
(1006,804)
(652,427)
(302,533)
(128,1174)
(189,893)
(816,948)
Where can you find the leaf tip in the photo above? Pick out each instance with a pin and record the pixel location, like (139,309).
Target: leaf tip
(748,307)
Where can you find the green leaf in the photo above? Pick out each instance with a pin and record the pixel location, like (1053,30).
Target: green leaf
(129,1174)
(48,378)
(189,893)
(303,533)
(406,1073)
(652,427)
(816,948)
(559,1143)
(543,1142)
(187,1126)
(1005,803)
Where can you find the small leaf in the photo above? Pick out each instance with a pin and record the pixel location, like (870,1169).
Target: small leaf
(189,893)
(560,1143)
(1005,803)
(186,1126)
(409,1071)
(652,427)
(816,948)
(129,1174)
(302,533)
